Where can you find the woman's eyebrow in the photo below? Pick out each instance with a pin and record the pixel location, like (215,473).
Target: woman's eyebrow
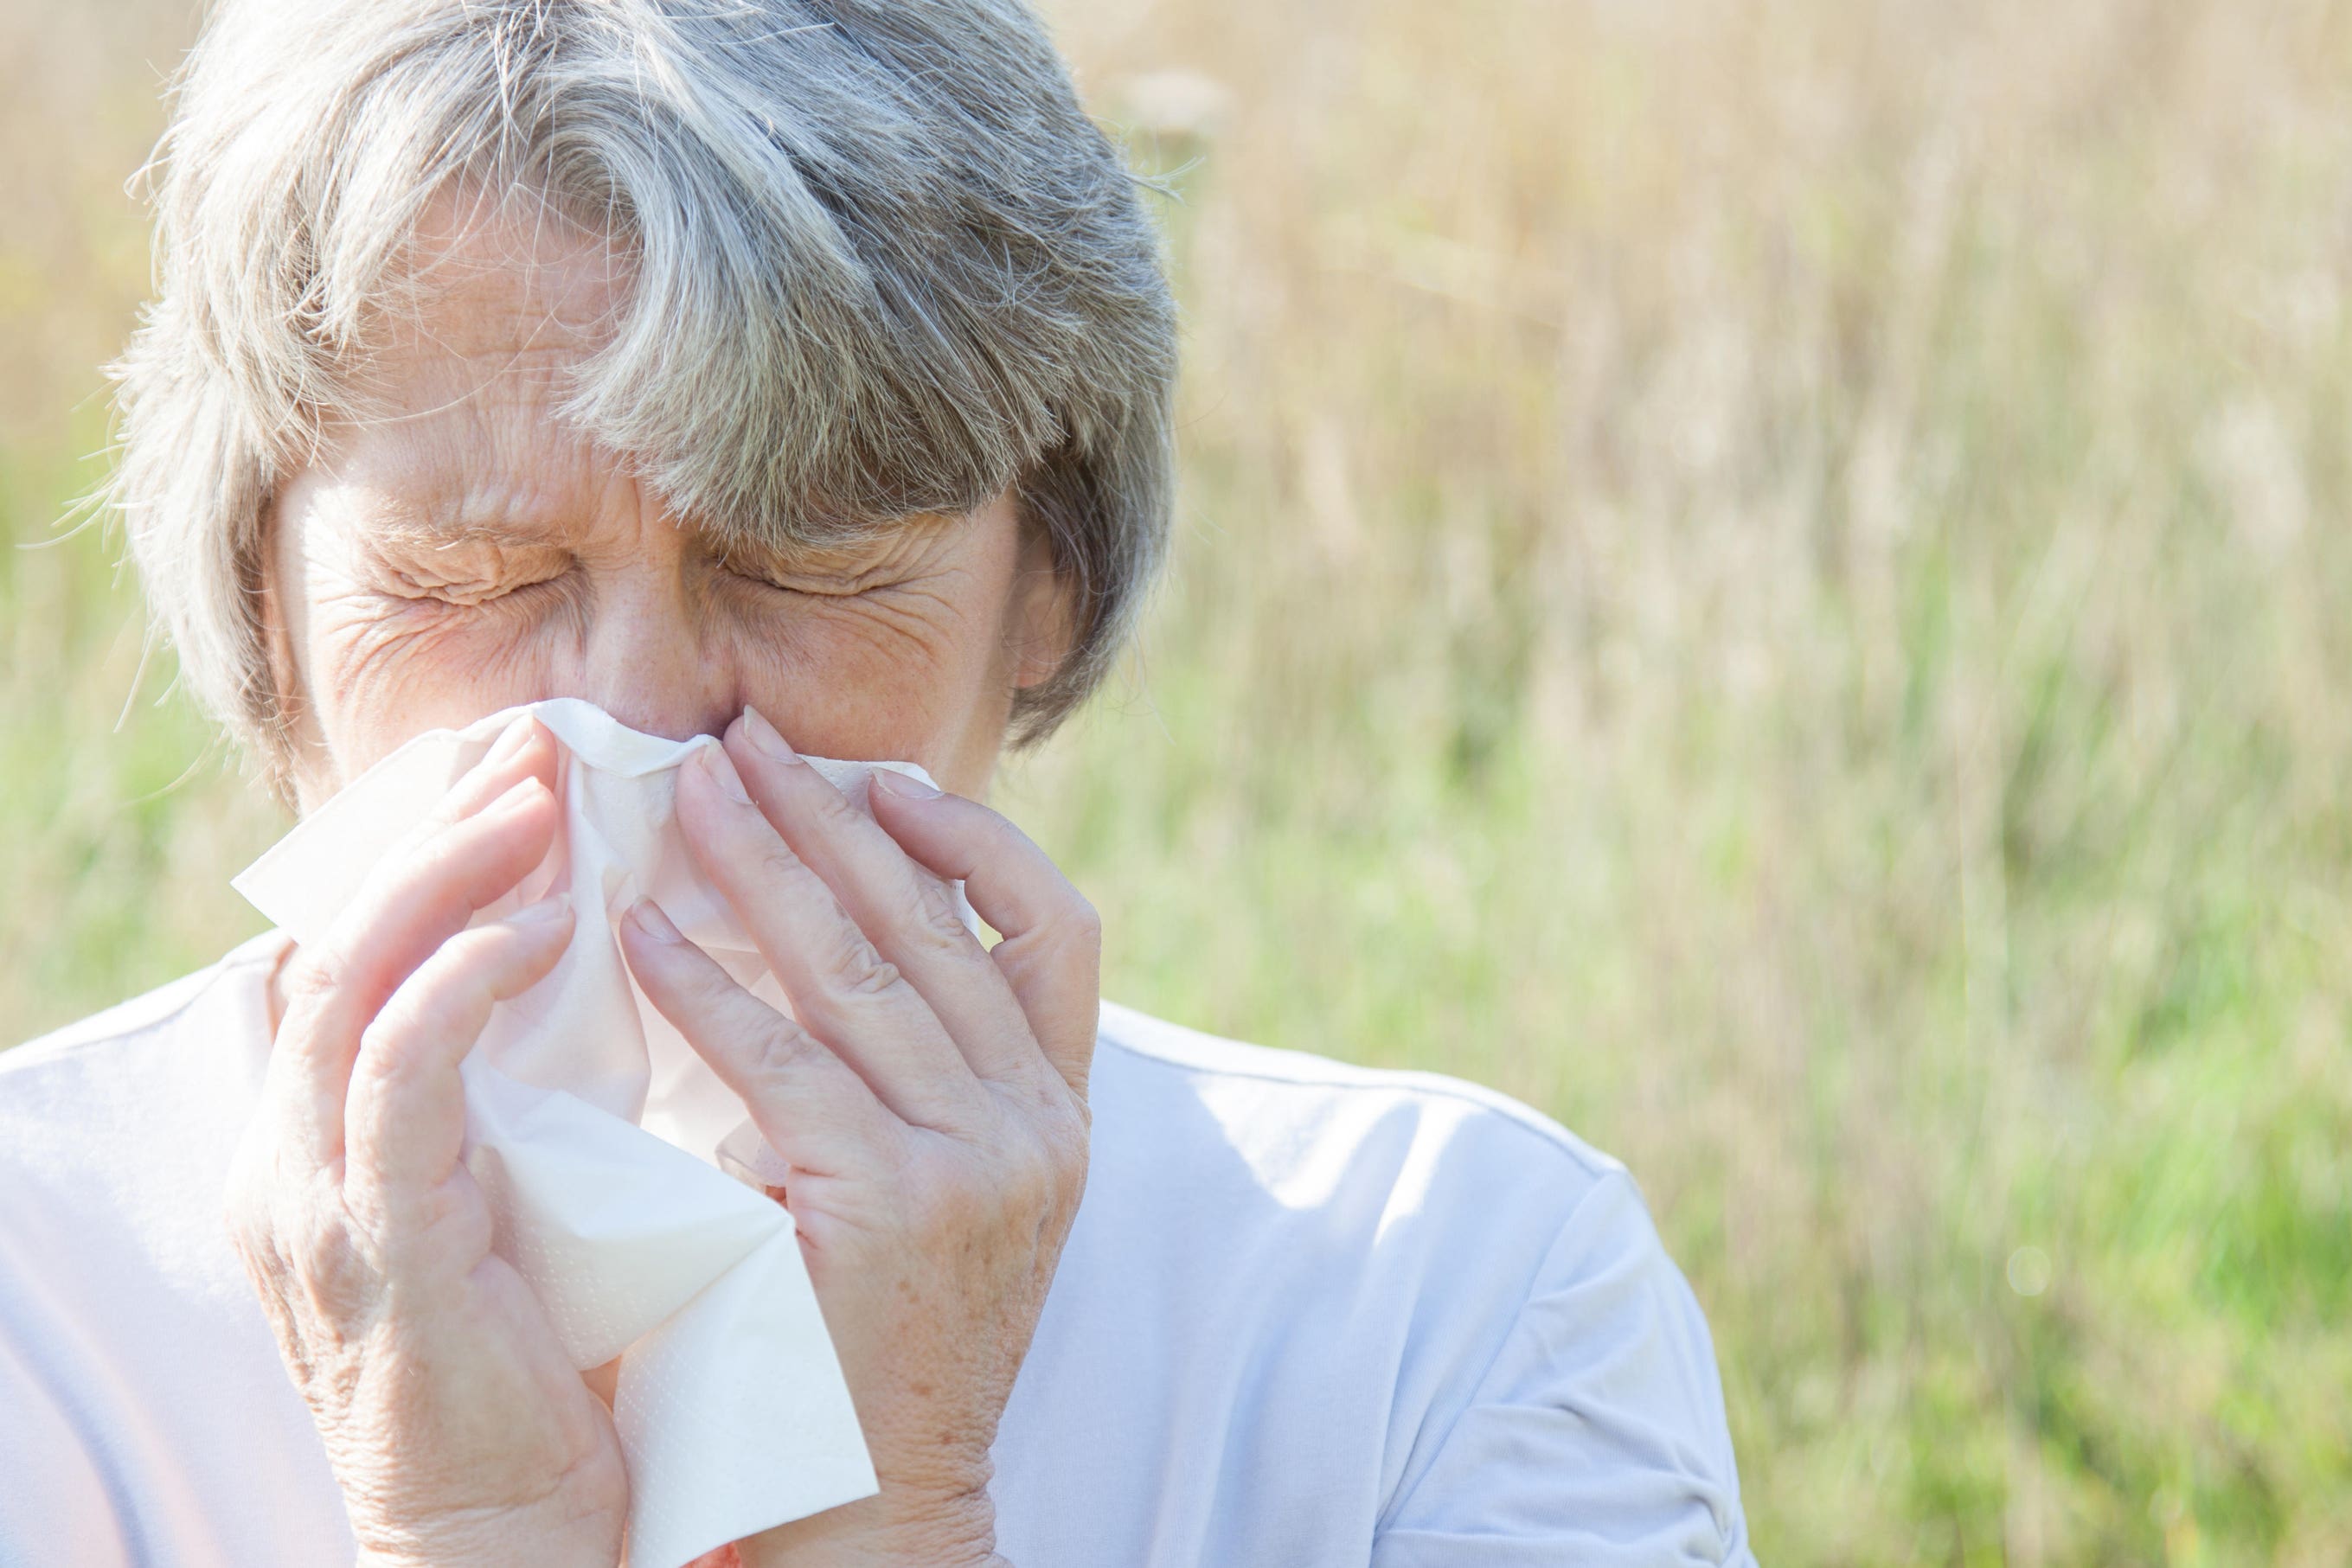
(907,547)
(433,528)
(462,513)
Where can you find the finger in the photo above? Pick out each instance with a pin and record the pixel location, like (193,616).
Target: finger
(524,749)
(909,913)
(810,1106)
(842,988)
(409,906)
(1051,955)
(406,1115)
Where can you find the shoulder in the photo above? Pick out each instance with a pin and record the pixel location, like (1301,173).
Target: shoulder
(144,1084)
(114,1134)
(1298,1119)
(1548,1368)
(1275,1076)
(143,1016)
(1433,1189)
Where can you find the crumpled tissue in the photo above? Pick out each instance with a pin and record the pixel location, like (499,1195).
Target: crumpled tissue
(623,1174)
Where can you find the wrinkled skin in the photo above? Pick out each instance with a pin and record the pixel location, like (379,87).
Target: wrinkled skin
(472,552)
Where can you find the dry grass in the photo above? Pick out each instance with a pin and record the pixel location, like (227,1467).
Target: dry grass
(1766,577)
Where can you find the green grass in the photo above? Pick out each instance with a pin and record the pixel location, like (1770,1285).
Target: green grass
(1767,579)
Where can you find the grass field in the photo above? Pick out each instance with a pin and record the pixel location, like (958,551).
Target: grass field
(1769,579)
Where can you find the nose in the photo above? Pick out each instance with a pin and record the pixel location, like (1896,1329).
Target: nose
(647,660)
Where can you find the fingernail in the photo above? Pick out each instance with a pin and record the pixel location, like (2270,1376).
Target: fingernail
(722,773)
(647,916)
(764,736)
(906,785)
(545,911)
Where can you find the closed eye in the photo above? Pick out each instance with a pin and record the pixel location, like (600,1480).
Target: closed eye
(777,577)
(472,595)
(470,572)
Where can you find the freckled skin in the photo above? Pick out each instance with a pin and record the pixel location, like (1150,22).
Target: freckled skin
(463,550)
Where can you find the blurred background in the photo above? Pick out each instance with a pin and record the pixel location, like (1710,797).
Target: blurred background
(1767,579)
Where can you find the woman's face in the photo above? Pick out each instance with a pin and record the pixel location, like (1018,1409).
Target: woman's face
(463,550)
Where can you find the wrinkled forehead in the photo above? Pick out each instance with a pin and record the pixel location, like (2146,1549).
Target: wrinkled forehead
(457,391)
(461,396)
(457,427)
(511,285)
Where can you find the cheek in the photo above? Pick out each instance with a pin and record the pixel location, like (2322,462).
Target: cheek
(382,669)
(891,673)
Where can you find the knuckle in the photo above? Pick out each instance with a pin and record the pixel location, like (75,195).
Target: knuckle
(828,804)
(855,967)
(453,812)
(453,853)
(383,1049)
(255,1180)
(1057,1142)
(277,1240)
(463,971)
(1030,1178)
(380,1058)
(1071,1180)
(445,853)
(775,864)
(1083,925)
(1066,1185)
(424,832)
(780,1049)
(339,1282)
(938,926)
(1067,1127)
(430,1005)
(315,978)
(1008,839)
(1036,1181)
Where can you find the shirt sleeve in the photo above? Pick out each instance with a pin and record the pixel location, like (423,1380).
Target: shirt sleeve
(1597,1435)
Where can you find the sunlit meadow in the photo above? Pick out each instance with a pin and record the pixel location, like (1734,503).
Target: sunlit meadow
(1769,579)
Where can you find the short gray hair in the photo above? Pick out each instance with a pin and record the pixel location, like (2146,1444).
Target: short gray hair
(882,264)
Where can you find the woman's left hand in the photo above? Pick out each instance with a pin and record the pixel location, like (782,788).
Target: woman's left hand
(931,1099)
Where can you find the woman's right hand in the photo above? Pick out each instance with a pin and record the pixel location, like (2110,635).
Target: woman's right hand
(457,1430)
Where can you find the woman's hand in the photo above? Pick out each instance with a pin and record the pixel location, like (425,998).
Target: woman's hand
(930,1099)
(457,1429)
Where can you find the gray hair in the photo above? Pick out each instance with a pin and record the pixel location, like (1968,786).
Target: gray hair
(881,263)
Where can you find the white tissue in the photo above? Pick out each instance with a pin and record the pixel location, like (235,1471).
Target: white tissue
(622,1173)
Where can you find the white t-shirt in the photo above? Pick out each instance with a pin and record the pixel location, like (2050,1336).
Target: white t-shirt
(1310,1315)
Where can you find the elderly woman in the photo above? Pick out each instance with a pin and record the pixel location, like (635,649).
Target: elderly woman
(795,372)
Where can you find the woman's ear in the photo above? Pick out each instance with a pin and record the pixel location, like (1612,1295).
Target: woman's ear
(1043,627)
(277,643)
(278,569)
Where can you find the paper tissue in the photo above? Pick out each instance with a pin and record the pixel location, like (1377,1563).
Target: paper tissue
(623,1174)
